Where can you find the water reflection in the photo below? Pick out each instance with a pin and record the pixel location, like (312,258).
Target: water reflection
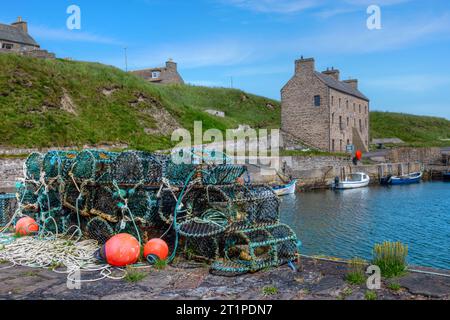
(348,223)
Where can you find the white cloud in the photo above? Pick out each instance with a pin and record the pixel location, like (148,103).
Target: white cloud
(413,83)
(275,6)
(46,33)
(193,54)
(357,39)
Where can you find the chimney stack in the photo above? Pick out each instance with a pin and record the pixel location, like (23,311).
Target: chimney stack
(304,65)
(22,25)
(332,73)
(353,83)
(171,65)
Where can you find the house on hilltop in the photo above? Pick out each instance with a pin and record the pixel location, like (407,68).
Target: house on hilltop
(14,38)
(163,75)
(324,112)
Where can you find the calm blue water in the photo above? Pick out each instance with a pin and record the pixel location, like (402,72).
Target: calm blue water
(348,223)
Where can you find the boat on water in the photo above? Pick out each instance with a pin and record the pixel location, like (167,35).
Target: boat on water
(285,189)
(411,178)
(446,177)
(352,181)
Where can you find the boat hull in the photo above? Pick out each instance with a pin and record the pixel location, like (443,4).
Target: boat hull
(447,177)
(351,185)
(286,189)
(406,180)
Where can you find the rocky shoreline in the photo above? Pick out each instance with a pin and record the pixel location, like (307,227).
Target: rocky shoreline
(315,279)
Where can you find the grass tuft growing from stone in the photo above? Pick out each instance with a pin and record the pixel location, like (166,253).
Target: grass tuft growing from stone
(270,291)
(356,273)
(391,258)
(134,275)
(371,295)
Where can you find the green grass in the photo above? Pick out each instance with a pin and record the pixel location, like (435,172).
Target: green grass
(418,131)
(371,295)
(356,273)
(394,286)
(30,108)
(160,264)
(270,291)
(31,91)
(134,275)
(391,258)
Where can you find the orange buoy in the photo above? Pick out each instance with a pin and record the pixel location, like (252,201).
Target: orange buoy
(26,226)
(358,155)
(158,248)
(121,250)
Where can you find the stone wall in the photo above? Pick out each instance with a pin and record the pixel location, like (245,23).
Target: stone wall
(348,113)
(424,155)
(10,170)
(299,116)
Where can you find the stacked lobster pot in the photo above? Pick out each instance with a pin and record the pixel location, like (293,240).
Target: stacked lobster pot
(205,211)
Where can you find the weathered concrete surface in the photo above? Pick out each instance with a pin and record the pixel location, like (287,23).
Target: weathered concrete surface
(314,280)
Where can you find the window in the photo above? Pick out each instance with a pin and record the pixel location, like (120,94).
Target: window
(366,124)
(348,142)
(339,102)
(317,101)
(348,121)
(347,104)
(332,100)
(332,118)
(366,109)
(360,125)
(332,145)
(359,108)
(354,107)
(7,46)
(340,121)
(340,145)
(156,74)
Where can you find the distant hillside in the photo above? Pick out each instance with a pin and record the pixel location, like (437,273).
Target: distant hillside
(50,103)
(47,103)
(414,130)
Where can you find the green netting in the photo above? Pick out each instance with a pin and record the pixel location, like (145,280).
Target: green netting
(217,218)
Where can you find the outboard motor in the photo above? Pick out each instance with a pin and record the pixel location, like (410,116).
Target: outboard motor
(337,180)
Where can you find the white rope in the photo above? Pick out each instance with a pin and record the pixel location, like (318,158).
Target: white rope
(65,254)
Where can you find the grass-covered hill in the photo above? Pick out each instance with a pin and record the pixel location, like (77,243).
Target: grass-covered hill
(414,130)
(50,103)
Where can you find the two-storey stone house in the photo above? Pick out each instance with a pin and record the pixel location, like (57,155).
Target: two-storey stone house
(163,75)
(14,38)
(324,112)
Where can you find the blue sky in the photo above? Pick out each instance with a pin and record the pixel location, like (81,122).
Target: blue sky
(403,67)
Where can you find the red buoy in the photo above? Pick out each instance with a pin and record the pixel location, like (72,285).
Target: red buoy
(121,250)
(359,155)
(158,248)
(26,226)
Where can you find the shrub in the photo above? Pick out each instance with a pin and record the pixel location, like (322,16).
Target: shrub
(356,274)
(391,258)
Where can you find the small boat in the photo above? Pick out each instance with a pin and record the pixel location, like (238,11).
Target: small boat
(285,189)
(406,179)
(352,181)
(446,177)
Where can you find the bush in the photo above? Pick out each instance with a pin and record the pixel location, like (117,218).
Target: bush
(391,258)
(356,274)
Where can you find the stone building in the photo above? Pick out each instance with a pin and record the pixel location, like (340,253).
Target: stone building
(163,75)
(14,38)
(324,112)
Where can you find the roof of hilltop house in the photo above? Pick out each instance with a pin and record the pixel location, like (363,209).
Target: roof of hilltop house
(340,86)
(17,35)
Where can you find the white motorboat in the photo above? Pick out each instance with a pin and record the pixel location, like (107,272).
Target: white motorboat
(283,190)
(352,181)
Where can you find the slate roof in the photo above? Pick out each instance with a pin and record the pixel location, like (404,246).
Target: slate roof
(340,86)
(14,34)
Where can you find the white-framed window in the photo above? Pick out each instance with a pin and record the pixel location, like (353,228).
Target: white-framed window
(7,46)
(156,74)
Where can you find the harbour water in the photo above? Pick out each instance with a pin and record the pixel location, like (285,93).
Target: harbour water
(348,223)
